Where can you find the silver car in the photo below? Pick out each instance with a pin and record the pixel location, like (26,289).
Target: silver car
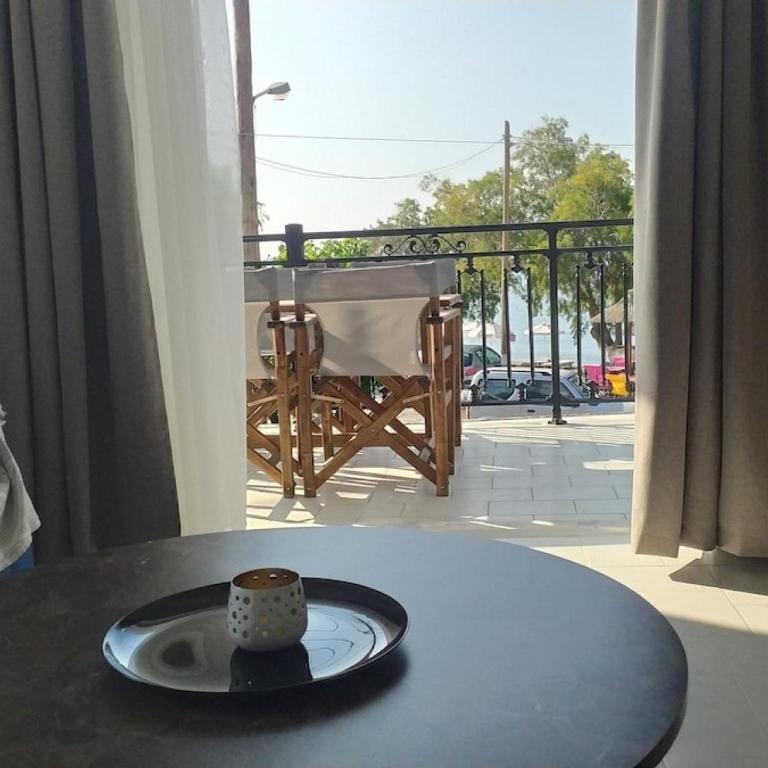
(497,389)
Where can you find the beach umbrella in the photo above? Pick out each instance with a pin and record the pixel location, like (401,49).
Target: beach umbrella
(473,329)
(542,329)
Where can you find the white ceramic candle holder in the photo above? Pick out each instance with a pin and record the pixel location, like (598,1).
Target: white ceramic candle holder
(267,609)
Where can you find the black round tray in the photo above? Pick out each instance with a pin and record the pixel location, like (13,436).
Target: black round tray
(181,641)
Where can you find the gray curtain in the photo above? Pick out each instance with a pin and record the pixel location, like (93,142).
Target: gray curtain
(79,370)
(701,298)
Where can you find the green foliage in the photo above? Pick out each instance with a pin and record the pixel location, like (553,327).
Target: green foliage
(600,187)
(554,177)
(542,160)
(477,201)
(408,213)
(348,248)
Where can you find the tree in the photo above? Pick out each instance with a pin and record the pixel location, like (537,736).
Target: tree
(543,159)
(348,248)
(600,187)
(261,215)
(477,201)
(408,214)
(554,178)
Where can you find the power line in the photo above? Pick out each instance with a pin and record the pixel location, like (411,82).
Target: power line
(302,171)
(515,140)
(373,138)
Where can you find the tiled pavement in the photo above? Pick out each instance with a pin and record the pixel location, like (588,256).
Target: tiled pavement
(567,490)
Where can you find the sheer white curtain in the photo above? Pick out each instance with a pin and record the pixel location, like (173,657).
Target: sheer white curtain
(179,82)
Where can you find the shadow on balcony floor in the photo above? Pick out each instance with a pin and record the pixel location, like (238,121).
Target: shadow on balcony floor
(567,491)
(514,478)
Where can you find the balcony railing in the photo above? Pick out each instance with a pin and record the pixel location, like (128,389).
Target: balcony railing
(557,268)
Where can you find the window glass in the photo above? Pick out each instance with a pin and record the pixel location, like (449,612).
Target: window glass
(581,389)
(493,357)
(498,388)
(540,389)
(467,359)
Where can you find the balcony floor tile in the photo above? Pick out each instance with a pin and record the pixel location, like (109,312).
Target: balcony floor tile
(566,490)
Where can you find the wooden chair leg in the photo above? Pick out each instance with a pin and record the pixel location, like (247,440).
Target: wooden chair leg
(428,423)
(327,428)
(304,409)
(458,373)
(450,389)
(256,442)
(284,412)
(425,352)
(439,411)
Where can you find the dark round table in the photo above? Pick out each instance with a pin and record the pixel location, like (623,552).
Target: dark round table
(512,658)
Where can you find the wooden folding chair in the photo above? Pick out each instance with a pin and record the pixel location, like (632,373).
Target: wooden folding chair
(372,319)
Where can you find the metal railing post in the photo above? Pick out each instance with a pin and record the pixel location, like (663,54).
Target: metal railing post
(578,324)
(554,327)
(482,320)
(294,244)
(627,334)
(603,327)
(531,339)
(505,307)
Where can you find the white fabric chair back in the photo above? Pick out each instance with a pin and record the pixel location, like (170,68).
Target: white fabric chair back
(261,287)
(385,281)
(445,271)
(370,316)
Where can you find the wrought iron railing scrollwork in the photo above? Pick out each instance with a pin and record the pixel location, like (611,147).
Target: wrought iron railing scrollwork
(429,245)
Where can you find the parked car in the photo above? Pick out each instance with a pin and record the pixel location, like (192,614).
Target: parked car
(473,360)
(496,389)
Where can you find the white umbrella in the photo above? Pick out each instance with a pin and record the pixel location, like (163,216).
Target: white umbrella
(473,329)
(541,329)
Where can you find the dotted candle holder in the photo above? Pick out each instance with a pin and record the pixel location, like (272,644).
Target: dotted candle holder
(267,609)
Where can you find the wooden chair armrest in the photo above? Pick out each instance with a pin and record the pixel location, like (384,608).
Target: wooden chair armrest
(308,320)
(451,300)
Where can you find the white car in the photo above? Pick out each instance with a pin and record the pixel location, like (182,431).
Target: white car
(496,389)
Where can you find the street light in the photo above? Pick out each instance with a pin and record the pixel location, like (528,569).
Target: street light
(278,91)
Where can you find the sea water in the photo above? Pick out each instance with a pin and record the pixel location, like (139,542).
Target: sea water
(518,324)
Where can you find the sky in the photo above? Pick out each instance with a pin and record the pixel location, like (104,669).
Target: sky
(436,69)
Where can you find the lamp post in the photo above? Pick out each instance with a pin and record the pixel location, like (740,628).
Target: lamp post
(279,92)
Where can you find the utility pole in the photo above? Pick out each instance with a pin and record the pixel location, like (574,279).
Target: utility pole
(505,240)
(245,130)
